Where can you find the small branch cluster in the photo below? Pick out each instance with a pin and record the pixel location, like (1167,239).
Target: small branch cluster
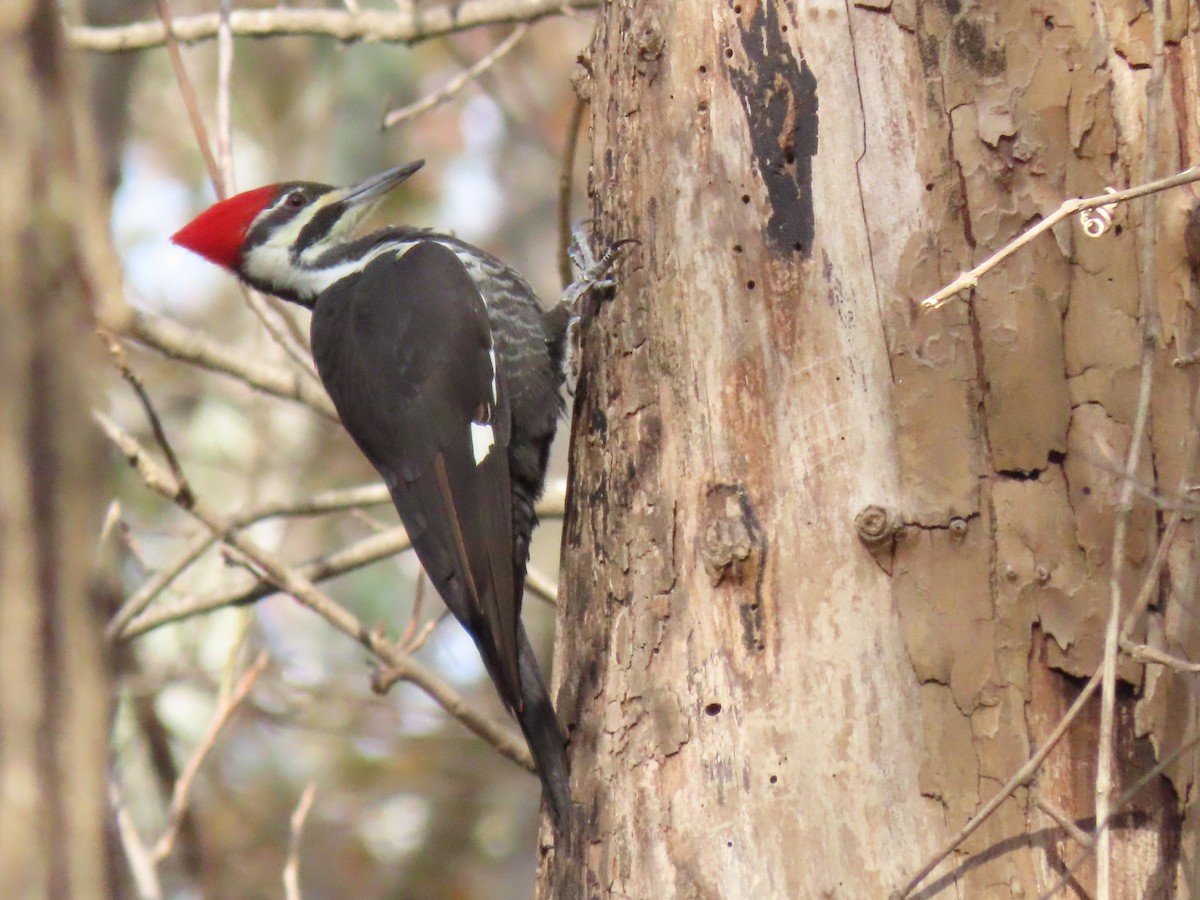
(291,581)
(399,27)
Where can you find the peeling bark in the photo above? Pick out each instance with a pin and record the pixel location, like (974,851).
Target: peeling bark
(761,702)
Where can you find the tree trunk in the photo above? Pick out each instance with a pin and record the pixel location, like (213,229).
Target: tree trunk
(835,566)
(54,714)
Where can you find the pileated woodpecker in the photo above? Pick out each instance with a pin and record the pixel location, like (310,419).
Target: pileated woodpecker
(446,372)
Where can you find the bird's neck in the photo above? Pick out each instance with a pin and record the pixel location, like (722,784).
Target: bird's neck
(302,277)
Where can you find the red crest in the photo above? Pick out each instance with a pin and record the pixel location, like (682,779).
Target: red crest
(219,232)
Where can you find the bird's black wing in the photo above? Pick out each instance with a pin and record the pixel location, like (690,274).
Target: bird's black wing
(405,350)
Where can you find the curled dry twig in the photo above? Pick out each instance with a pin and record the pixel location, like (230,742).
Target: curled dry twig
(968,280)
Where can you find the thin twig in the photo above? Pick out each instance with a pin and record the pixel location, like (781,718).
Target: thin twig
(371,25)
(541,586)
(224,94)
(220,172)
(1064,821)
(129,542)
(566,186)
(121,361)
(1150,583)
(156,584)
(291,871)
(459,81)
(423,635)
(414,617)
(225,710)
(1108,698)
(290,581)
(1022,776)
(168,36)
(1151,329)
(1144,653)
(1068,208)
(142,865)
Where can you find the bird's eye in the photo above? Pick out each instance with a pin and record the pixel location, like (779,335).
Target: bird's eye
(294,200)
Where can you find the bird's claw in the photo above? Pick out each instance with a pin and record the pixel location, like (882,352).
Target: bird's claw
(593,273)
(593,276)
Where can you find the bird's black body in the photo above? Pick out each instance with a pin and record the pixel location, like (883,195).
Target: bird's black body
(446,372)
(424,319)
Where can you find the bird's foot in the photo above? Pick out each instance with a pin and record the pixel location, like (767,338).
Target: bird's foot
(594,275)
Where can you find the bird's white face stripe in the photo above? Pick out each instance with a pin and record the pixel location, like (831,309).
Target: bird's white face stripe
(271,263)
(495,375)
(483,438)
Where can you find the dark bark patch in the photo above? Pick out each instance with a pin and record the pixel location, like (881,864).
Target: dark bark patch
(733,551)
(778,92)
(968,39)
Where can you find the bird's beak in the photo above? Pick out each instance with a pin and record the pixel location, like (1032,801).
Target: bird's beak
(376,187)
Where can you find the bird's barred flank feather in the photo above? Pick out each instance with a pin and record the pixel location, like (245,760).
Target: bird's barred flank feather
(446,372)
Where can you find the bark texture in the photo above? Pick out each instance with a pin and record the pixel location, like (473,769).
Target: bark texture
(54,709)
(763,703)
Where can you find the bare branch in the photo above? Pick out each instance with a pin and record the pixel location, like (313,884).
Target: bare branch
(180,342)
(155,585)
(291,871)
(130,623)
(224,95)
(336,500)
(142,866)
(459,81)
(1144,653)
(401,27)
(248,587)
(293,582)
(225,710)
(317,504)
(422,636)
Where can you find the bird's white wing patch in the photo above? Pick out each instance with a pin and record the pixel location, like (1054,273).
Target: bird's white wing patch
(483,438)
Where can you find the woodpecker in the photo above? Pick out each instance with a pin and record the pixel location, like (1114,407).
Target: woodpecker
(446,371)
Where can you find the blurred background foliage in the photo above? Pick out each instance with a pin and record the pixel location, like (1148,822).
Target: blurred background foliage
(408,803)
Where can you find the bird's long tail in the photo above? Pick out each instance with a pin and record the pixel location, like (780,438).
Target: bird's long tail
(543,734)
